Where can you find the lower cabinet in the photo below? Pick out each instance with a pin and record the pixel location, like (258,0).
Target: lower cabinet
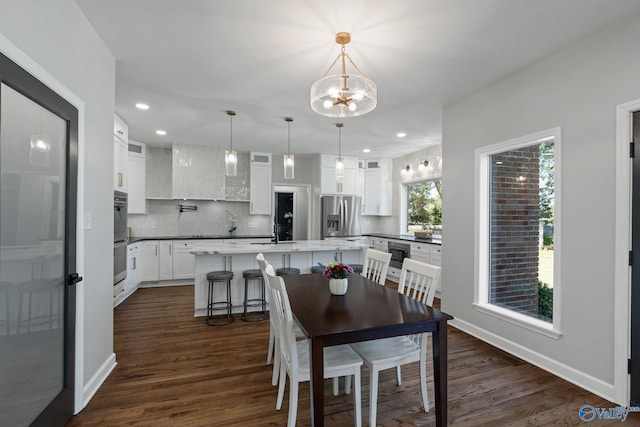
(183,259)
(165,260)
(134,274)
(150,261)
(347,257)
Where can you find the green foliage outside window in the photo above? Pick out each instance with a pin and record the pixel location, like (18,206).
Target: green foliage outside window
(424,205)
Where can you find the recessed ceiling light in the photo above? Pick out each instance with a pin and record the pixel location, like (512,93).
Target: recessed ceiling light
(161,132)
(142,106)
(401,134)
(366,150)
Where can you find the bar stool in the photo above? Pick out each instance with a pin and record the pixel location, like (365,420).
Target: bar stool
(287,271)
(357,268)
(40,304)
(220,277)
(261,301)
(317,269)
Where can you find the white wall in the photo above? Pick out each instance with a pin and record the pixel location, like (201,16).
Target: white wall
(578,90)
(58,38)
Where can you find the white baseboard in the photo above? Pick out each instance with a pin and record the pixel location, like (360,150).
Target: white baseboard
(574,376)
(98,379)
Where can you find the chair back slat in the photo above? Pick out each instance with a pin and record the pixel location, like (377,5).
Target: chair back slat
(418,280)
(285,323)
(375,265)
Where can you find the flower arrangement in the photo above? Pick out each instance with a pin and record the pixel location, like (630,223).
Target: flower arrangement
(336,271)
(232,218)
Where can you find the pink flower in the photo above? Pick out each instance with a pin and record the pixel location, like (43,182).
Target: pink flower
(336,271)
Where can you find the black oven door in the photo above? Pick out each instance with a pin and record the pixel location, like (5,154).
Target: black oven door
(397,257)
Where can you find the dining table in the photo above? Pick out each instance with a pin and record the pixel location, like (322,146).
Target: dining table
(367,311)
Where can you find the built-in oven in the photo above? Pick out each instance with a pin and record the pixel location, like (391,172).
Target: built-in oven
(399,251)
(119,236)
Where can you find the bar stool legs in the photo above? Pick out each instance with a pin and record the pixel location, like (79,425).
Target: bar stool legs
(260,301)
(213,319)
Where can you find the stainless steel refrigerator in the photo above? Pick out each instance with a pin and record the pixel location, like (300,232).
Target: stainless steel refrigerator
(340,216)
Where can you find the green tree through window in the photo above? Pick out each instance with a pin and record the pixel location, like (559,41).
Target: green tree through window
(424,205)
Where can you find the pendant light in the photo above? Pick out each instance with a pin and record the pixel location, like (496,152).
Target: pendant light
(230,155)
(339,160)
(289,161)
(343,94)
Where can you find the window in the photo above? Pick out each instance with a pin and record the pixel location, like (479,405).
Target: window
(517,230)
(423,206)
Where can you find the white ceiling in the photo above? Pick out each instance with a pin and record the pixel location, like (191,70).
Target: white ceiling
(193,60)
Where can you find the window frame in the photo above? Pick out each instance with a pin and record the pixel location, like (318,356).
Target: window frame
(482,234)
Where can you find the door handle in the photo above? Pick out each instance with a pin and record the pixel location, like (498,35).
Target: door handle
(74,279)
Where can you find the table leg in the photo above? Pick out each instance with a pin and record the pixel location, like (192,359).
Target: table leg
(439,340)
(316,361)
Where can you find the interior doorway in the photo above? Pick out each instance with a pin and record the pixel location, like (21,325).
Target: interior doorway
(634,364)
(291,211)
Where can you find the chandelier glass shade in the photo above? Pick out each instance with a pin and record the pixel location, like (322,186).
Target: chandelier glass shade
(339,160)
(289,161)
(344,94)
(231,155)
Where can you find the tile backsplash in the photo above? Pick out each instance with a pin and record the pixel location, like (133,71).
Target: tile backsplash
(165,219)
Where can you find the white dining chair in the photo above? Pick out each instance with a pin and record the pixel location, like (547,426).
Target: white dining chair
(375,265)
(340,360)
(418,280)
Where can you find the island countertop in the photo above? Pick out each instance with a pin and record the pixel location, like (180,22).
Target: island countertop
(281,247)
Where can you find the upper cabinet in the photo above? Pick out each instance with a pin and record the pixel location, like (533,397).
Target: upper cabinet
(198,172)
(328,184)
(377,187)
(120,154)
(136,182)
(260,184)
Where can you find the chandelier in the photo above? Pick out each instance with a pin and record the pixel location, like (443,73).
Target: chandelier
(343,95)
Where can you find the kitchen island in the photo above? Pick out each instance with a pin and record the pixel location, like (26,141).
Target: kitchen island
(239,256)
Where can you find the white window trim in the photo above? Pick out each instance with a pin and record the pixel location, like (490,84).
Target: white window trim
(481,240)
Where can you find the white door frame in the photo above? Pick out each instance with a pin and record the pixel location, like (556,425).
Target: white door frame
(622,270)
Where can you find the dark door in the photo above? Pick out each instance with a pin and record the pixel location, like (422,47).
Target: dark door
(38,165)
(635,270)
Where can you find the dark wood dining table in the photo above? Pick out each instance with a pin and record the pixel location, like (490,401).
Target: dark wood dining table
(367,311)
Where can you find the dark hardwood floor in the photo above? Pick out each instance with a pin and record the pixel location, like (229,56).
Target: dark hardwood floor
(173,370)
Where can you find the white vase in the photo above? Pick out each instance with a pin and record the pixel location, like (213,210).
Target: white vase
(338,286)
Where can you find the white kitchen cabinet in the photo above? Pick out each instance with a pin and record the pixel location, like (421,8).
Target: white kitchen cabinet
(136,182)
(420,252)
(260,184)
(183,259)
(380,244)
(377,187)
(120,154)
(134,274)
(197,172)
(328,183)
(347,257)
(165,260)
(150,261)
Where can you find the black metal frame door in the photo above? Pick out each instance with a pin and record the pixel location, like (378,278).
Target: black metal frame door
(634,364)
(61,405)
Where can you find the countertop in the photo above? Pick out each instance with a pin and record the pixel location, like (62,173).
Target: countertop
(288,246)
(405,237)
(197,237)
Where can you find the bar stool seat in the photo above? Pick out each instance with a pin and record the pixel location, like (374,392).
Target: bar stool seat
(287,271)
(260,301)
(220,277)
(317,269)
(357,268)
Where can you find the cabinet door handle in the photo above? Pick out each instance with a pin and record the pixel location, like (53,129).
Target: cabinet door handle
(230,263)
(156,250)
(119,179)
(170,246)
(135,264)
